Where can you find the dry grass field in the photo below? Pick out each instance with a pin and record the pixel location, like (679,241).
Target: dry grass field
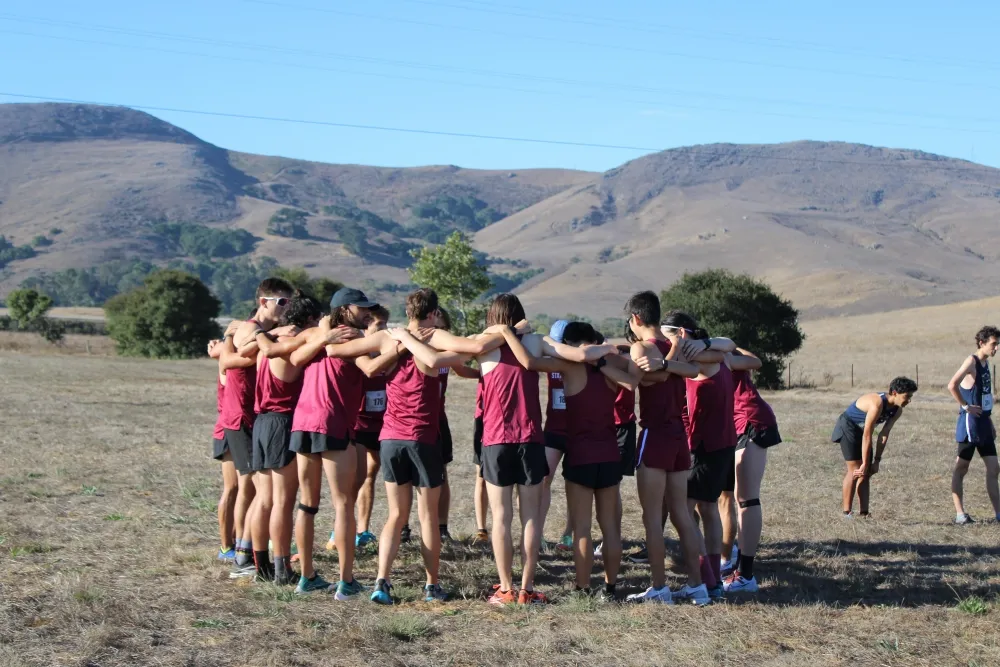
(108,540)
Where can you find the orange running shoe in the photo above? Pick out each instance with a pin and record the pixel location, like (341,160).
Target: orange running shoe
(531,597)
(501,598)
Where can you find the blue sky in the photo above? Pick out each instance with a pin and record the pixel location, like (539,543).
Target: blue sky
(640,74)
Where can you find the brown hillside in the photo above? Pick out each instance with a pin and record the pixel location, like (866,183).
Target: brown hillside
(838,228)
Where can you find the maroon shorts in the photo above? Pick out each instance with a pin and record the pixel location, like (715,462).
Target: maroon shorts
(664,449)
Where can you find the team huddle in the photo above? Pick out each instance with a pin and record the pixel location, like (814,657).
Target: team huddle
(306,393)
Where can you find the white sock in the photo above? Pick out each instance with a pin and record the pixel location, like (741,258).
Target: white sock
(959,515)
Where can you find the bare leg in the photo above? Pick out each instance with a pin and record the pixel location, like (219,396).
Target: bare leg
(227,503)
(683,520)
(502,507)
(850,484)
(864,494)
(340,468)
(529,501)
(652,484)
(481,501)
(713,528)
(428,503)
(580,502)
(285,483)
(399,497)
(957,479)
(245,493)
(750,464)
(728,514)
(310,470)
(609,518)
(552,456)
(992,471)
(444,503)
(261,520)
(366,497)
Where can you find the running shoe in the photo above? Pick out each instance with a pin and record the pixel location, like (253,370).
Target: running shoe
(640,556)
(243,571)
(737,584)
(715,593)
(501,598)
(482,538)
(964,520)
(317,583)
(330,544)
(652,595)
(599,550)
(434,593)
(404,534)
(727,567)
(445,536)
(285,578)
(346,591)
(565,543)
(227,556)
(364,539)
(531,597)
(381,595)
(697,595)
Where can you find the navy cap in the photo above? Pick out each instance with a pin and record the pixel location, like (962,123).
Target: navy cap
(348,296)
(557,330)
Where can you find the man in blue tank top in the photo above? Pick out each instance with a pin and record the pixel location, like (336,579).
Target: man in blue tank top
(855,430)
(972,387)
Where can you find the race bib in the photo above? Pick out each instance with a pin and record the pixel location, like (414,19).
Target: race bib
(987,402)
(556,376)
(558,399)
(375,401)
(443,371)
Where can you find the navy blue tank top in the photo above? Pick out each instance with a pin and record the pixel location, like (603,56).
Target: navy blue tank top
(858,416)
(981,393)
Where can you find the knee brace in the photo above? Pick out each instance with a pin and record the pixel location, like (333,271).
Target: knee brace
(753,502)
(308,510)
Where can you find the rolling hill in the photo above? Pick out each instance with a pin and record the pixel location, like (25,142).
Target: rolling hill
(838,228)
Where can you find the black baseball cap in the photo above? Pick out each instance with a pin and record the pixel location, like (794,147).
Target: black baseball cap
(348,296)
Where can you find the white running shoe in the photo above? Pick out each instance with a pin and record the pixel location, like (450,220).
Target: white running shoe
(737,584)
(654,595)
(599,550)
(697,595)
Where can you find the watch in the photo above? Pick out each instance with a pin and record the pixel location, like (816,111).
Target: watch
(664,364)
(602,362)
(708,343)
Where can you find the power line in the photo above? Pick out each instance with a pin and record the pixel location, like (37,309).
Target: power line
(671,103)
(634,49)
(690,150)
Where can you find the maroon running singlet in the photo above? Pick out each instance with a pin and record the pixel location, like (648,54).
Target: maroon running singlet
(330,399)
(748,406)
(591,436)
(512,413)
(413,412)
(663,442)
(710,410)
(273,394)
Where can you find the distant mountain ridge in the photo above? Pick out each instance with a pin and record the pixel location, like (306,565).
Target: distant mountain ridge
(838,228)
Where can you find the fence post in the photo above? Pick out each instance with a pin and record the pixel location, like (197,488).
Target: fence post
(789,375)
(852,376)
(918,374)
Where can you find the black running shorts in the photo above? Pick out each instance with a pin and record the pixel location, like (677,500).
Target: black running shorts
(594,475)
(410,462)
(367,439)
(240,445)
(444,441)
(272,433)
(507,465)
(555,441)
(849,435)
(708,473)
(307,442)
(764,437)
(219,448)
(626,448)
(477,442)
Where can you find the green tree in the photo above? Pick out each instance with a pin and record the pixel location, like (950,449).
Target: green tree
(172,315)
(744,309)
(29,308)
(459,278)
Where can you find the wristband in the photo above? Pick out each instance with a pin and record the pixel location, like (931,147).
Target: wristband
(665,362)
(708,343)
(258,332)
(602,362)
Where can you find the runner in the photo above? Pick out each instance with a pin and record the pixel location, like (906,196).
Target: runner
(277,391)
(513,454)
(272,297)
(322,429)
(228,529)
(663,459)
(712,438)
(366,432)
(480,499)
(854,431)
(972,387)
(593,468)
(555,437)
(758,430)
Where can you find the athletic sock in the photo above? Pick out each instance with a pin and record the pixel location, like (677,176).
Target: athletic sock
(715,561)
(263,563)
(707,574)
(746,567)
(243,557)
(736,563)
(959,515)
(611,589)
(246,545)
(281,564)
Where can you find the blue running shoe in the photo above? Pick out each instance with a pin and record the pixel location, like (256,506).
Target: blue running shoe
(434,593)
(364,539)
(227,556)
(382,594)
(317,583)
(346,591)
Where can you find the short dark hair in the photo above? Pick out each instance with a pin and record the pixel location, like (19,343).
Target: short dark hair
(379,313)
(983,335)
(301,310)
(681,320)
(421,303)
(646,305)
(505,309)
(274,287)
(902,385)
(629,334)
(581,332)
(445,318)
